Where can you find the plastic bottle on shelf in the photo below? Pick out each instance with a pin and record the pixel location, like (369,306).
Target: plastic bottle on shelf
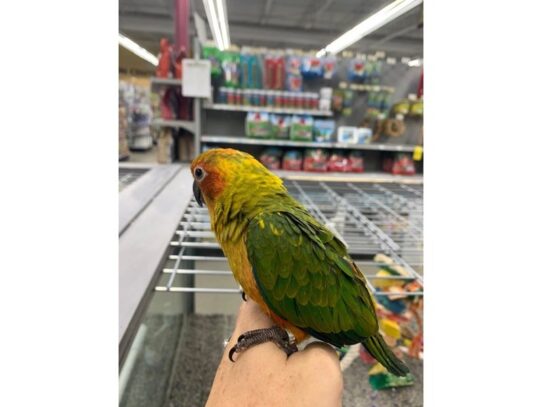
(270,96)
(230,96)
(279,99)
(289,100)
(306,101)
(315,99)
(222,95)
(298,101)
(262,97)
(247,96)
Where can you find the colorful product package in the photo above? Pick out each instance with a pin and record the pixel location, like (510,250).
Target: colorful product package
(416,108)
(347,134)
(230,67)
(348,100)
(292,160)
(315,160)
(301,128)
(354,135)
(337,100)
(339,162)
(385,101)
(363,135)
(325,98)
(311,67)
(280,126)
(373,101)
(250,72)
(356,70)
(214,55)
(271,158)
(323,130)
(329,65)
(356,161)
(373,70)
(294,80)
(258,124)
(400,164)
(274,72)
(401,107)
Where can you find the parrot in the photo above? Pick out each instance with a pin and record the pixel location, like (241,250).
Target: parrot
(292,266)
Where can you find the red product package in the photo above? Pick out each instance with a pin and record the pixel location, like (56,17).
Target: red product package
(339,162)
(274,72)
(401,164)
(270,157)
(315,160)
(292,161)
(356,161)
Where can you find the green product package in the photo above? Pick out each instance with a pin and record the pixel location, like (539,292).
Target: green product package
(280,126)
(258,125)
(301,128)
(348,98)
(214,55)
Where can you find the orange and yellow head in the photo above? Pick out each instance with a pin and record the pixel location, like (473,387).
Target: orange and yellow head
(223,172)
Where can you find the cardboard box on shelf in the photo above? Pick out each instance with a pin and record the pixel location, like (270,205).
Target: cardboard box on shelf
(165,141)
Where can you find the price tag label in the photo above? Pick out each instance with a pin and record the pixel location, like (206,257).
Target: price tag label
(418,152)
(196,78)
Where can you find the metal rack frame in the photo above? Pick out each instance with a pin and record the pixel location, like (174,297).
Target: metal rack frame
(369,217)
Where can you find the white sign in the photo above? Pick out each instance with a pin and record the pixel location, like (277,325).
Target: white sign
(197,78)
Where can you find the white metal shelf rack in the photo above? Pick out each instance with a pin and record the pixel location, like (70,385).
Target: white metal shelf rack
(370,217)
(215,139)
(268,109)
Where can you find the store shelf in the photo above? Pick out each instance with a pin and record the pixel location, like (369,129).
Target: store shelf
(187,125)
(290,143)
(241,108)
(371,218)
(361,87)
(166,82)
(379,177)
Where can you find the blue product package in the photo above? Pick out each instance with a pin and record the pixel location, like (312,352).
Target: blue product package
(363,135)
(357,70)
(311,67)
(323,130)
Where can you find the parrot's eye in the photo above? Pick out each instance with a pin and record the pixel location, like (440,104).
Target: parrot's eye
(199,173)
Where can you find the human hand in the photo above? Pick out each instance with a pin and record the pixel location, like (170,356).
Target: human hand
(263,376)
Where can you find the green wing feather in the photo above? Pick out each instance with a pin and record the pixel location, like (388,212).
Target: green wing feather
(307,278)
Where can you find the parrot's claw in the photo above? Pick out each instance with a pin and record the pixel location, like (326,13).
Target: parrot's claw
(274,334)
(244,296)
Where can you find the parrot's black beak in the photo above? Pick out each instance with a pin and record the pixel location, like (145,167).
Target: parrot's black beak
(197,194)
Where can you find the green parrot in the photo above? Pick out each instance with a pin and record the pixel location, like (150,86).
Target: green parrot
(297,270)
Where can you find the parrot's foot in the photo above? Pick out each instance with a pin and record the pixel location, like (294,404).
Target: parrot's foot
(274,334)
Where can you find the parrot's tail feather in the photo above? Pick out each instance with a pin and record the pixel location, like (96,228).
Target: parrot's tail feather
(378,349)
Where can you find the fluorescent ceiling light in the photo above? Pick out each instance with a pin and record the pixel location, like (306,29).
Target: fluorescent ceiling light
(223,20)
(370,24)
(137,49)
(218,20)
(415,62)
